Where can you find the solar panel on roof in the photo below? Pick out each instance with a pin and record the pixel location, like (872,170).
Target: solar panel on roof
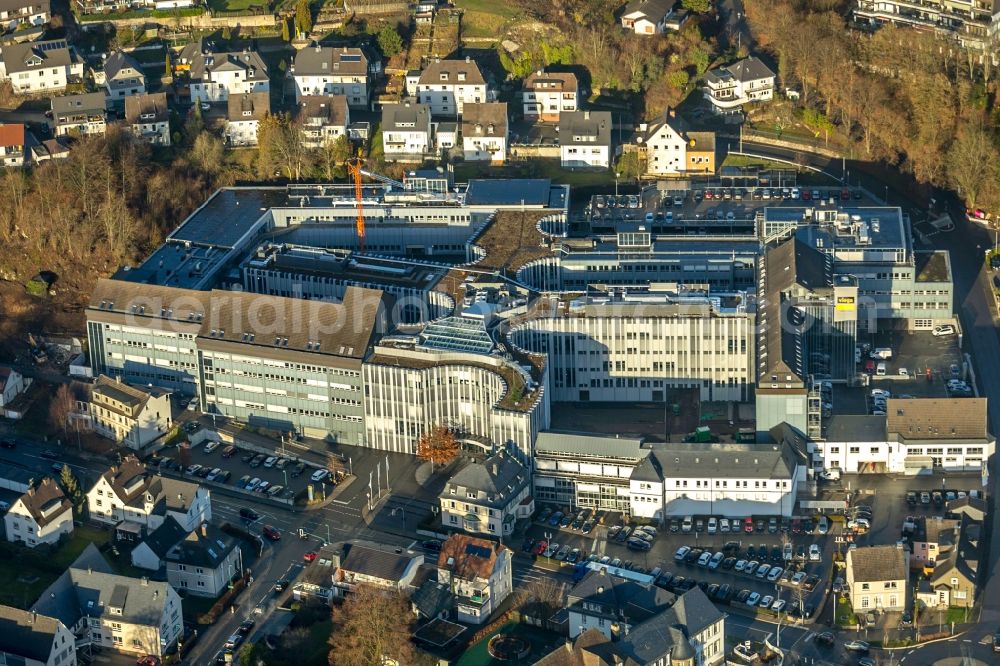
(477,551)
(350,57)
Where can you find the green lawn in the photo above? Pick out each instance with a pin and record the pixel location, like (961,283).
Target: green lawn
(542,642)
(503,9)
(537,168)
(236,5)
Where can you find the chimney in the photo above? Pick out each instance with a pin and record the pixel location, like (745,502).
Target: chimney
(90,570)
(204,530)
(600,589)
(319,48)
(672,112)
(586,115)
(144,581)
(496,469)
(34,616)
(468,59)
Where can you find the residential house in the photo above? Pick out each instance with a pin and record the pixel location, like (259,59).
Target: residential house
(14,13)
(204,562)
(217,76)
(243,118)
(484,132)
(135,616)
(730,87)
(30,639)
(877,577)
(546,95)
(602,599)
(132,416)
(50,149)
(585,139)
(123,77)
(406,132)
(79,114)
(647,17)
(327,70)
(322,118)
(973,507)
(40,516)
(11,381)
(148,116)
(127,492)
(957,573)
(39,66)
(672,149)
(151,551)
(931,538)
(377,565)
(478,572)
(487,497)
(447,85)
(12,143)
(445,135)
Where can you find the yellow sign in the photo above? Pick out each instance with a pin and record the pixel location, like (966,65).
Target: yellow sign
(845,303)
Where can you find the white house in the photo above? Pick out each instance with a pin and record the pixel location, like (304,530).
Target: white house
(484,132)
(446,85)
(729,88)
(878,578)
(12,145)
(127,492)
(487,497)
(132,416)
(79,114)
(327,70)
(204,562)
(123,77)
(245,111)
(378,565)
(585,139)
(406,131)
(151,551)
(41,515)
(11,381)
(674,150)
(39,66)
(322,119)
(647,17)
(148,116)
(604,597)
(30,639)
(478,573)
(14,13)
(216,76)
(546,95)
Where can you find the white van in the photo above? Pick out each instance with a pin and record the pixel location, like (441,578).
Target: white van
(882,353)
(880,369)
(686,524)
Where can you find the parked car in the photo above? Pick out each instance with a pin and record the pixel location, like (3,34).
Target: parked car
(249,514)
(856,646)
(271,533)
(320,475)
(298,469)
(752,599)
(815,555)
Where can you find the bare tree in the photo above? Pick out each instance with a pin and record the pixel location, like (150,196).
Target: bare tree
(372,628)
(61,408)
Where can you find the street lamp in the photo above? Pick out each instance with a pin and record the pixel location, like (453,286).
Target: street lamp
(402,510)
(617,176)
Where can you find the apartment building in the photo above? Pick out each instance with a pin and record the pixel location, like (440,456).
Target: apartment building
(546,95)
(485,133)
(123,77)
(79,114)
(971,24)
(14,13)
(326,70)
(216,76)
(488,497)
(322,119)
(148,116)
(30,639)
(730,87)
(42,515)
(478,573)
(131,416)
(445,86)
(672,149)
(244,113)
(603,598)
(637,344)
(42,66)
(585,139)
(204,562)
(878,578)
(406,132)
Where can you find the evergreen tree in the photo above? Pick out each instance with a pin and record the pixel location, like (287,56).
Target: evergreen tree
(168,71)
(303,18)
(72,489)
(285,34)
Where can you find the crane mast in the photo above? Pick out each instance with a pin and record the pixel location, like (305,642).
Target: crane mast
(354,168)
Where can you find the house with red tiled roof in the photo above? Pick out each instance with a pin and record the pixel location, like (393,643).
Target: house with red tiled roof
(12,138)
(478,572)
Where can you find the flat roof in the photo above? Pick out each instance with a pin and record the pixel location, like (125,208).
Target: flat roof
(855,428)
(228,215)
(589,444)
(508,192)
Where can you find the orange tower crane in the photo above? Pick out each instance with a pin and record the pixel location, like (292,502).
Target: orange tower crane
(354,167)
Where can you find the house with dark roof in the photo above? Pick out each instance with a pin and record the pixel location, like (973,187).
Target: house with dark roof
(375,564)
(406,131)
(217,76)
(14,13)
(328,70)
(546,95)
(585,139)
(41,515)
(245,111)
(123,77)
(50,149)
(973,507)
(647,17)
(148,116)
(730,87)
(129,493)
(152,550)
(601,599)
(31,639)
(484,132)
(204,562)
(322,119)
(478,574)
(445,86)
(487,497)
(878,578)
(129,415)
(85,113)
(39,66)
(672,148)
(956,575)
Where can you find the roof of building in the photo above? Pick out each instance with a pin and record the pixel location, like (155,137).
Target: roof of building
(173,494)
(465,72)
(51,148)
(12,5)
(129,479)
(590,445)
(459,333)
(331,109)
(406,116)
(164,537)
(542,80)
(877,563)
(203,65)
(585,128)
(748,69)
(501,477)
(26,634)
(855,428)
(60,600)
(32,55)
(74,104)
(964,559)
(654,9)
(248,106)
(120,61)
(611,596)
(502,191)
(205,546)
(573,653)
(974,507)
(11,135)
(330,61)
(45,502)
(484,119)
(725,460)
(937,418)
(5,374)
(132,397)
(378,562)
(432,598)
(469,557)
(146,108)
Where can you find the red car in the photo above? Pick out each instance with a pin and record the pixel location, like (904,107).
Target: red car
(796,526)
(541,546)
(229,452)
(748,525)
(310,556)
(271,533)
